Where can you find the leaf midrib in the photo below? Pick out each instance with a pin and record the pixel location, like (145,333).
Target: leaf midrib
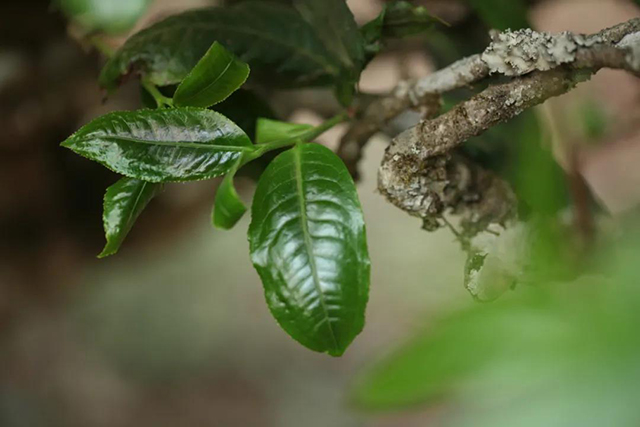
(307,241)
(135,203)
(177,144)
(197,93)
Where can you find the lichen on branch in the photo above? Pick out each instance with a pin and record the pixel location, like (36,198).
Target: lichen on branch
(413,174)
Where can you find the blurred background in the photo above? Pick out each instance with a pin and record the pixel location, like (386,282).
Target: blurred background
(174,329)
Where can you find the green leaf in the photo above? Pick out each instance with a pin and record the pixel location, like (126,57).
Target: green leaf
(308,244)
(111,16)
(502,14)
(216,76)
(554,354)
(398,19)
(228,207)
(244,108)
(274,130)
(562,355)
(335,25)
(124,201)
(460,348)
(273,39)
(181,144)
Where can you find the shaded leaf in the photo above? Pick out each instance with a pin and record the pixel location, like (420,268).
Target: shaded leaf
(502,14)
(335,25)
(228,207)
(124,201)
(216,76)
(181,144)
(397,19)
(274,130)
(244,108)
(273,39)
(308,244)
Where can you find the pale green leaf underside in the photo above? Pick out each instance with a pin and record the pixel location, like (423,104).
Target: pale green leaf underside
(268,130)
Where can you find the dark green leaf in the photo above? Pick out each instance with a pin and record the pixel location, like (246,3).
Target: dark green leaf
(111,16)
(308,244)
(181,144)
(403,19)
(372,33)
(124,201)
(216,76)
(334,23)
(244,108)
(228,207)
(502,14)
(273,39)
(397,19)
(274,130)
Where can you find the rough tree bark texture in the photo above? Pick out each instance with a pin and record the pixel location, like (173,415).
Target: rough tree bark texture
(419,172)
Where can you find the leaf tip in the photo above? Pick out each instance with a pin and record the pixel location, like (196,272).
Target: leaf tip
(107,251)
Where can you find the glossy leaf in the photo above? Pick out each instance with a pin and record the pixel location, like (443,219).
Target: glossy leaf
(181,144)
(216,76)
(124,201)
(273,39)
(228,207)
(274,130)
(308,244)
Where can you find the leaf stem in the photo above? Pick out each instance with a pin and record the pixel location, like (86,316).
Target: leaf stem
(153,90)
(306,136)
(101,46)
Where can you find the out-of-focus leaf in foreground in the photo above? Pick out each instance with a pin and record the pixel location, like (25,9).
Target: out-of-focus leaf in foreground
(552,355)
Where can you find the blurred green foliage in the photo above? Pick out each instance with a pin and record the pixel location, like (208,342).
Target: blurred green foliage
(552,355)
(109,16)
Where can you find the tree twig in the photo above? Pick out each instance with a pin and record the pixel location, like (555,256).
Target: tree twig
(543,66)
(421,94)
